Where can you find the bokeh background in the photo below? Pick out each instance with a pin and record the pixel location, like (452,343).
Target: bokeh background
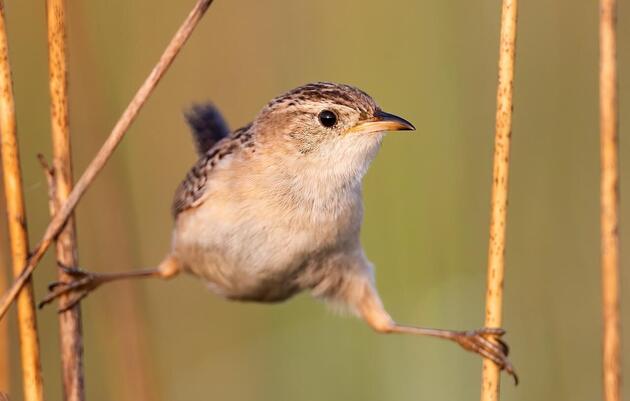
(427,196)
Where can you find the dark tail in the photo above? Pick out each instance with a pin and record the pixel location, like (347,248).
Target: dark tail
(207,125)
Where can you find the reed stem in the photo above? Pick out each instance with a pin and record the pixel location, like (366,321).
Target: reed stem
(70,328)
(609,200)
(16,216)
(498,220)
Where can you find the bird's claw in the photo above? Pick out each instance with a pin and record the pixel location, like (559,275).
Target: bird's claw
(487,342)
(80,285)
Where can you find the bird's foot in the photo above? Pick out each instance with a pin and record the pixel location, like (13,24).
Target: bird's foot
(487,342)
(81,284)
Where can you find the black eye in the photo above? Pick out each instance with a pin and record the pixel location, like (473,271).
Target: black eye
(327,118)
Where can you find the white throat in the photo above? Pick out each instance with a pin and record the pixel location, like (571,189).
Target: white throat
(328,180)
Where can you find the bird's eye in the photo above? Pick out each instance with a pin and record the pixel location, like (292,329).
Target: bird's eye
(327,118)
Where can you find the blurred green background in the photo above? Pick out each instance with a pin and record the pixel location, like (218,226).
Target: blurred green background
(427,196)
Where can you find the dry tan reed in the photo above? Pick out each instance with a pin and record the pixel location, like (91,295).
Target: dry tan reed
(5,351)
(70,329)
(496,247)
(29,344)
(609,200)
(103,155)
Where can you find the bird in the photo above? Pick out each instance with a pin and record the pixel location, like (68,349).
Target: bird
(275,208)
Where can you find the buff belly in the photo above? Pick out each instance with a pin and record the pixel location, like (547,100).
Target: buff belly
(249,257)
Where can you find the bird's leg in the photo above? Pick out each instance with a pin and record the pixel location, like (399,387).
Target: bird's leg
(84,282)
(485,341)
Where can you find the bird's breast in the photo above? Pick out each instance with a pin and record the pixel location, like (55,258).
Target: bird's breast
(250,247)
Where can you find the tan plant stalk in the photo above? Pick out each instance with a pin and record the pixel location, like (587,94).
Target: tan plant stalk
(5,352)
(609,200)
(70,329)
(103,155)
(496,246)
(27,326)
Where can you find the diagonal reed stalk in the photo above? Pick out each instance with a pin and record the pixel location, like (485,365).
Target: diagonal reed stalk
(496,247)
(29,343)
(70,328)
(609,200)
(103,155)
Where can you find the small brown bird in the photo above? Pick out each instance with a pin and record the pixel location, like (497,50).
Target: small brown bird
(275,208)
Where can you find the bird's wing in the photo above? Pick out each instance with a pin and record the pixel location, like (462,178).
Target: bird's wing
(191,191)
(207,125)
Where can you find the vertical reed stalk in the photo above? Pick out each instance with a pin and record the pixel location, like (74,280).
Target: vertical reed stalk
(609,200)
(496,247)
(5,351)
(29,343)
(5,354)
(70,330)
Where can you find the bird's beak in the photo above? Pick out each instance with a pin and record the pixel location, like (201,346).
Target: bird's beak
(382,122)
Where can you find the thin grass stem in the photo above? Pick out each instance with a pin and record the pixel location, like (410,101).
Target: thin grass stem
(609,192)
(16,216)
(60,182)
(498,220)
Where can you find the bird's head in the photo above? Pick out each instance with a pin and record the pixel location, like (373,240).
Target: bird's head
(324,117)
